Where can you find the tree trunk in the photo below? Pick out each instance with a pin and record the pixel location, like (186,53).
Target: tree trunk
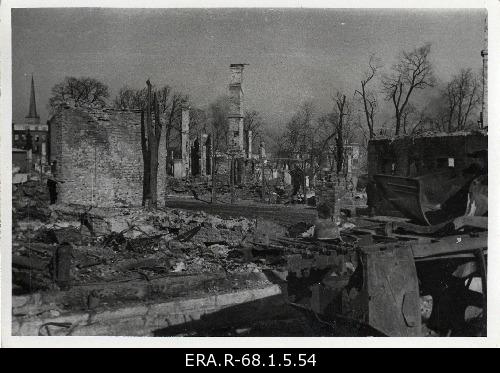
(154,154)
(150,139)
(170,158)
(149,131)
(450,120)
(340,153)
(145,156)
(368,115)
(398,124)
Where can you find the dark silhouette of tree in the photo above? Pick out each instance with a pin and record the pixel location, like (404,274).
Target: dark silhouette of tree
(368,98)
(340,129)
(342,110)
(413,71)
(170,106)
(462,96)
(327,126)
(252,121)
(82,91)
(300,133)
(218,112)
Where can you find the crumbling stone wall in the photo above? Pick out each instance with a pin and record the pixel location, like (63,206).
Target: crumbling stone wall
(414,156)
(99,157)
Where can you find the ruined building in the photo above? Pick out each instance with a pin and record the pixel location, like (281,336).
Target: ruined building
(191,153)
(99,157)
(442,163)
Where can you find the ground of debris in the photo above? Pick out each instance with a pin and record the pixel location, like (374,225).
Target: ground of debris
(125,256)
(108,244)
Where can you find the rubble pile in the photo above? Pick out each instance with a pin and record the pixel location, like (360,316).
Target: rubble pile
(98,259)
(30,201)
(108,244)
(118,244)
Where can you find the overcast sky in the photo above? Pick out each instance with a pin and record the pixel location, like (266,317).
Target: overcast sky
(293,55)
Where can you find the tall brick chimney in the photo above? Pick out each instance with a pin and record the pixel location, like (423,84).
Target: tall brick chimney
(236,110)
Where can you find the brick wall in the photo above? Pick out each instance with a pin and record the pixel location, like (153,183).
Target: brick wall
(99,157)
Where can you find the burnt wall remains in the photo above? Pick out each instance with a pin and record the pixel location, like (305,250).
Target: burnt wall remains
(416,156)
(99,157)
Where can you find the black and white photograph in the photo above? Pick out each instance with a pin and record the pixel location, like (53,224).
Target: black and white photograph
(246,172)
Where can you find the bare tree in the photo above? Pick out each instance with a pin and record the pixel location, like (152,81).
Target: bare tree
(462,95)
(340,120)
(218,113)
(327,126)
(300,130)
(273,140)
(172,109)
(130,98)
(82,91)
(342,109)
(198,121)
(169,102)
(451,104)
(170,105)
(409,118)
(368,98)
(413,71)
(252,121)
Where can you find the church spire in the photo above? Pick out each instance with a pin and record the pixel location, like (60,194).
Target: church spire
(32,113)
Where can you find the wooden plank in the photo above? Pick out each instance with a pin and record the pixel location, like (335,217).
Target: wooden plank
(449,245)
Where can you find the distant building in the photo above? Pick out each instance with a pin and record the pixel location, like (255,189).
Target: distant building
(31,135)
